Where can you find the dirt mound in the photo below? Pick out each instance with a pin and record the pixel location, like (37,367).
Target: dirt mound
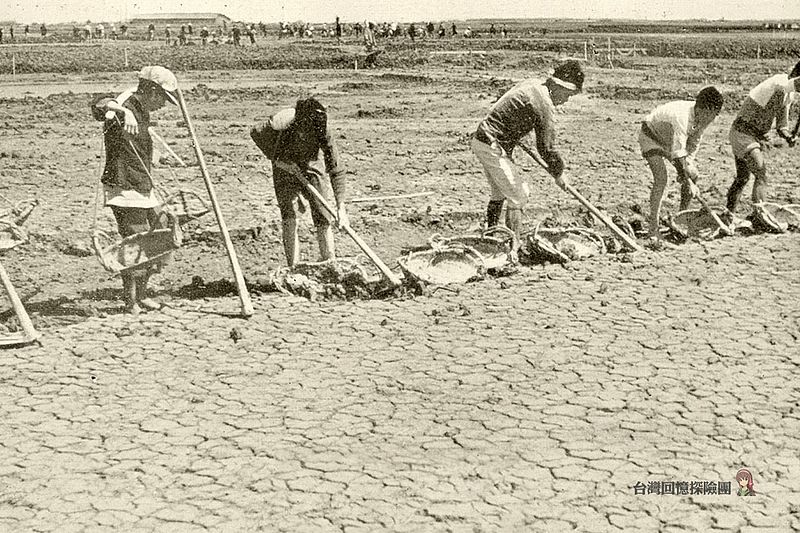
(330,280)
(351,86)
(383,112)
(622,92)
(406,78)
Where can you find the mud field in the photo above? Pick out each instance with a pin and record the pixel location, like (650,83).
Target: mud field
(535,401)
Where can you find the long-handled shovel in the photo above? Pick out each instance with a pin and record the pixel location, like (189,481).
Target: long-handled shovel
(596,212)
(244,296)
(29,334)
(391,276)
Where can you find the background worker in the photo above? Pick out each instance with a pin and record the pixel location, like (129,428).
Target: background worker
(767,103)
(294,140)
(126,179)
(528,107)
(672,132)
(369,36)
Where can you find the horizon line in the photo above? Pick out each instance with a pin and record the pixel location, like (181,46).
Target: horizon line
(488,19)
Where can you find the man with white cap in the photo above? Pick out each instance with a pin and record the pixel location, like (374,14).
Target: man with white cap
(527,108)
(767,103)
(127,181)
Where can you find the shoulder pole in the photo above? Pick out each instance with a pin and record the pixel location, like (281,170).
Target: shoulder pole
(244,296)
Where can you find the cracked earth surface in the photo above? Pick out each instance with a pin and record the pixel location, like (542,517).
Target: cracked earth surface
(536,406)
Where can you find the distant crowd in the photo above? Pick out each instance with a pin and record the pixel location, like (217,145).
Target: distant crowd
(390,30)
(239,34)
(185,34)
(26,31)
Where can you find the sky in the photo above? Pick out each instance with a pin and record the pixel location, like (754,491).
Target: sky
(53,11)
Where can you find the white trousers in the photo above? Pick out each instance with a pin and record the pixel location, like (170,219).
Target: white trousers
(499,171)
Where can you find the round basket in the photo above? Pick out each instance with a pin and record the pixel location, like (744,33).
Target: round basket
(444,264)
(136,251)
(562,245)
(788,214)
(695,224)
(497,246)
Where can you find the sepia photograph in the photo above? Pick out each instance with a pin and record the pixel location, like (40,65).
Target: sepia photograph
(409,266)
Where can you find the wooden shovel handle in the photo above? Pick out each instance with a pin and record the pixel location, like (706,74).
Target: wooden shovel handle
(244,296)
(724,228)
(391,276)
(19,309)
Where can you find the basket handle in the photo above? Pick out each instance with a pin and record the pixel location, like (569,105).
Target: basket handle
(544,243)
(177,231)
(592,235)
(16,231)
(794,209)
(99,249)
(180,197)
(97,240)
(505,232)
(189,192)
(437,242)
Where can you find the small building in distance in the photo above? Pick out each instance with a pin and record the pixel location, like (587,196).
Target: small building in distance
(197,20)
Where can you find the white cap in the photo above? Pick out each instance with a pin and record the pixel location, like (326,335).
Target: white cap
(282,119)
(162,77)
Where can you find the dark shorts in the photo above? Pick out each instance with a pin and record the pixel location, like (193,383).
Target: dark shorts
(288,188)
(132,220)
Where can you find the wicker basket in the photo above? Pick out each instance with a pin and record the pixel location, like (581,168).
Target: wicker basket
(443,265)
(497,246)
(562,245)
(694,224)
(136,251)
(788,214)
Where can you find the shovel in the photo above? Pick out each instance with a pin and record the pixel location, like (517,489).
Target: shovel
(724,228)
(391,276)
(28,333)
(624,237)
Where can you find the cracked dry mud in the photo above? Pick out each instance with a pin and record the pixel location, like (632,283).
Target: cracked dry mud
(534,402)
